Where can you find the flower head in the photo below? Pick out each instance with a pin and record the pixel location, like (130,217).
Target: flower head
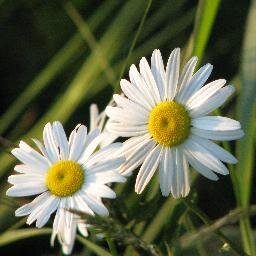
(67,174)
(66,234)
(165,114)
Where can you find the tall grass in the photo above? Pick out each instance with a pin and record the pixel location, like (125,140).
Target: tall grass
(87,68)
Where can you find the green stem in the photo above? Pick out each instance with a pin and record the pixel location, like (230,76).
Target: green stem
(207,221)
(111,246)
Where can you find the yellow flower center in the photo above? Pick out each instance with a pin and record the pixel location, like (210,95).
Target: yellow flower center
(64,178)
(169,123)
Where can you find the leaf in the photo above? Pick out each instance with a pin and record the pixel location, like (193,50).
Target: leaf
(206,12)
(246,115)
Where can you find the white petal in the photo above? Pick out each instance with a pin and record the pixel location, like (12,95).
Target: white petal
(107,152)
(81,205)
(89,149)
(213,102)
(48,209)
(216,150)
(218,135)
(186,74)
(149,79)
(141,85)
(25,178)
(157,67)
(92,136)
(27,208)
(202,95)
(134,94)
(42,212)
(148,169)
(180,185)
(127,104)
(96,205)
(60,139)
(196,82)
(77,143)
(205,157)
(28,152)
(100,190)
(172,74)
(105,177)
(26,189)
(136,155)
(166,169)
(215,123)
(126,116)
(199,167)
(42,149)
(94,114)
(105,166)
(127,131)
(22,168)
(82,227)
(107,138)
(50,145)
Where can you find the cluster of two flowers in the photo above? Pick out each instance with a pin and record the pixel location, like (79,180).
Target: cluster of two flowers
(165,115)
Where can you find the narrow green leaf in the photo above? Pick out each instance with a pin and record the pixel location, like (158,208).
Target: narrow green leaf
(246,115)
(206,12)
(73,48)
(15,235)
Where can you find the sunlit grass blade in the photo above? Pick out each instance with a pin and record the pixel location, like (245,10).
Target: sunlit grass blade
(16,235)
(86,33)
(247,114)
(206,13)
(73,48)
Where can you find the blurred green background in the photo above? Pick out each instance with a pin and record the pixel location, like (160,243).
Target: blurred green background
(58,57)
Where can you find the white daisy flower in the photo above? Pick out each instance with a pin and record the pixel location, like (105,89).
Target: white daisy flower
(67,234)
(165,114)
(68,174)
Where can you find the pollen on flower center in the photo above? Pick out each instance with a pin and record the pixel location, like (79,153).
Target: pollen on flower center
(169,123)
(64,178)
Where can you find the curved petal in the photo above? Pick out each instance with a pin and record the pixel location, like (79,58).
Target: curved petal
(186,74)
(166,169)
(216,150)
(172,74)
(149,79)
(50,144)
(60,138)
(77,143)
(157,67)
(202,95)
(148,169)
(134,94)
(215,123)
(205,157)
(215,101)
(180,185)
(196,82)
(218,135)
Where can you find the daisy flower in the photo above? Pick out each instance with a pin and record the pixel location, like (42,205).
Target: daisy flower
(166,115)
(67,233)
(66,174)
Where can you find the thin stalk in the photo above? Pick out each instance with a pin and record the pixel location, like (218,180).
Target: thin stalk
(207,221)
(89,38)
(112,247)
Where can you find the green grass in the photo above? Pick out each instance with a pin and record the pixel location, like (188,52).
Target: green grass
(90,49)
